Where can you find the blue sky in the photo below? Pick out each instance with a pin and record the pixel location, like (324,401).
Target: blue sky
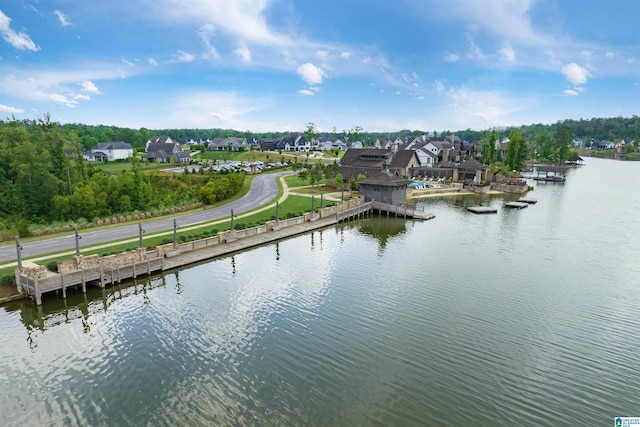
(276,65)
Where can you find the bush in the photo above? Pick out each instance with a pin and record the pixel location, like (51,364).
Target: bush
(8,280)
(166,241)
(52,265)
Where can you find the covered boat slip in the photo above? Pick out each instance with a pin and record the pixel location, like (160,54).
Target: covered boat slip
(547,173)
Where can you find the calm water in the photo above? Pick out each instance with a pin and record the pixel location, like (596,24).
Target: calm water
(528,317)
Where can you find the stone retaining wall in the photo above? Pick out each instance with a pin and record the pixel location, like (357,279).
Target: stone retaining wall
(108,262)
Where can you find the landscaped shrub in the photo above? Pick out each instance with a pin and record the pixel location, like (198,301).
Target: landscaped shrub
(8,280)
(52,265)
(166,241)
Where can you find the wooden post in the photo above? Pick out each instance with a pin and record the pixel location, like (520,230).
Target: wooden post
(64,287)
(37,289)
(134,269)
(101,275)
(84,282)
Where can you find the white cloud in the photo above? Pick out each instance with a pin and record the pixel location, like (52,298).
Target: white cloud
(65,87)
(451,57)
(19,40)
(243,52)
(513,16)
(81,97)
(507,53)
(89,87)
(152,62)
(64,21)
(227,110)
(185,57)
(206,32)
(345,55)
(306,92)
(311,74)
(11,110)
(241,19)
(570,92)
(463,108)
(609,55)
(322,54)
(575,74)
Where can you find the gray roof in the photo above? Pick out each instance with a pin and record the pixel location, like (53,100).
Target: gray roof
(471,165)
(113,145)
(385,179)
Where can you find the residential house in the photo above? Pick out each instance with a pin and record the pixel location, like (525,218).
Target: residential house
(501,148)
(159,140)
(165,152)
(228,144)
(268,144)
(112,151)
(441,148)
(324,144)
(370,161)
(293,142)
(365,161)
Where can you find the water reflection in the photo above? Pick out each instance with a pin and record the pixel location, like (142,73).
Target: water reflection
(79,306)
(382,228)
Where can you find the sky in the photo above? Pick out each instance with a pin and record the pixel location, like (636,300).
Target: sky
(277,65)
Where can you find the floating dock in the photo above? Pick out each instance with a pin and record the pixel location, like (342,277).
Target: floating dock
(527,200)
(517,205)
(482,209)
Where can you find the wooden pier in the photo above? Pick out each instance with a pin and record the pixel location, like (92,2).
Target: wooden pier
(402,210)
(101,271)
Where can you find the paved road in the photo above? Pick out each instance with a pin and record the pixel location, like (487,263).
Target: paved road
(264,188)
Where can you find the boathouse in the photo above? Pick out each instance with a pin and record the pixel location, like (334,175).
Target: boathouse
(549,173)
(385,187)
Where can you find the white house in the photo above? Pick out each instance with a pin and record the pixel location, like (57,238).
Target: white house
(293,142)
(114,150)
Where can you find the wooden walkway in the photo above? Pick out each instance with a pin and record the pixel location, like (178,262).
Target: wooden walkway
(185,253)
(403,210)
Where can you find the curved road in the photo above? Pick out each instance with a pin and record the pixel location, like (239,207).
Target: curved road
(264,189)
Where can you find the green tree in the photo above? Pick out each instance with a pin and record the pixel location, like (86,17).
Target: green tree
(544,146)
(310,131)
(563,138)
(516,150)
(489,152)
(338,181)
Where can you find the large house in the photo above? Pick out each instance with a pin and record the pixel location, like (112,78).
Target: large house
(293,142)
(228,144)
(113,150)
(370,161)
(163,149)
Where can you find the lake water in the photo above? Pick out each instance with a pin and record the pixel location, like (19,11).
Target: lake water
(525,317)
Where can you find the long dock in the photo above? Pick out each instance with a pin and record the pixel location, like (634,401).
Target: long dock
(101,271)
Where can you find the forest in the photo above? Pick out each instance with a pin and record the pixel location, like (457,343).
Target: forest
(44,179)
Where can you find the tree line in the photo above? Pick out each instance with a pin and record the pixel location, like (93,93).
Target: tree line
(44,179)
